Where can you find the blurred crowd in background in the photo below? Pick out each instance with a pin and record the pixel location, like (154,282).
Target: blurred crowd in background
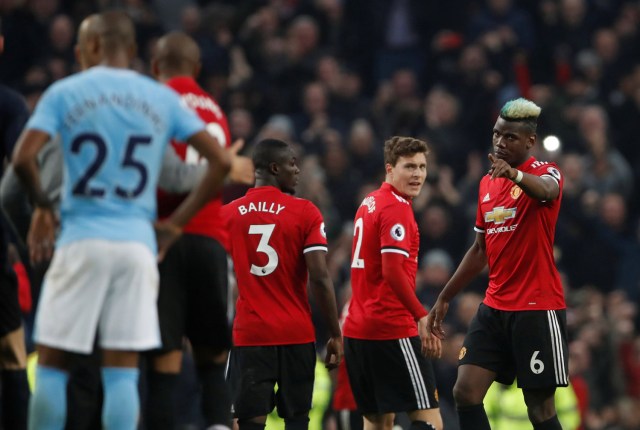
(338,77)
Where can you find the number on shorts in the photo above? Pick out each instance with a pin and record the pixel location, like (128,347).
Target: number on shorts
(265,231)
(358,228)
(537,366)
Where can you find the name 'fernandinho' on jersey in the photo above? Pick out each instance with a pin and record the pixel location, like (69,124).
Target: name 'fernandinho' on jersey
(270,207)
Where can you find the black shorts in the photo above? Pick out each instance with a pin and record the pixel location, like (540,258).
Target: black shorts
(254,371)
(10,315)
(390,375)
(192,301)
(528,345)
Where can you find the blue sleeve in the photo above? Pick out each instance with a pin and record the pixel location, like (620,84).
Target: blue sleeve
(47,115)
(186,122)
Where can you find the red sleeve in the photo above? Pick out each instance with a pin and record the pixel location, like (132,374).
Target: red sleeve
(315,238)
(394,275)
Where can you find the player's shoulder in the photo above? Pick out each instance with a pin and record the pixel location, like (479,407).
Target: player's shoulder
(390,199)
(542,168)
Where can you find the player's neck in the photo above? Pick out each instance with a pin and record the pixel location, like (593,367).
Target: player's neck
(118,60)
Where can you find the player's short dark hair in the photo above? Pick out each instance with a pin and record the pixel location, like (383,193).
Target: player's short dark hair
(400,146)
(268,151)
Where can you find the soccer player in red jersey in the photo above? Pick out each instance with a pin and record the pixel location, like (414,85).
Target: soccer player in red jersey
(385,350)
(520,328)
(193,274)
(277,242)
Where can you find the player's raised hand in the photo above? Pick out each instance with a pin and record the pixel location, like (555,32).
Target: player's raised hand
(166,234)
(335,352)
(41,237)
(242,170)
(500,168)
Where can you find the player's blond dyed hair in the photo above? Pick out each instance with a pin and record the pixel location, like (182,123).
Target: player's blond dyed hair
(522,110)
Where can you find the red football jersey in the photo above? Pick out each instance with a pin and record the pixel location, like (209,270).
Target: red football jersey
(269,233)
(383,223)
(207,221)
(519,233)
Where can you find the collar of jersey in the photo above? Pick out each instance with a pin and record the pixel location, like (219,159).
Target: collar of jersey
(389,187)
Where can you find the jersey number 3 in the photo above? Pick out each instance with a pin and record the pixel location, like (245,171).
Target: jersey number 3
(265,231)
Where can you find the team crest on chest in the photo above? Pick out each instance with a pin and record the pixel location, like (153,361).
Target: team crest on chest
(397,232)
(516,191)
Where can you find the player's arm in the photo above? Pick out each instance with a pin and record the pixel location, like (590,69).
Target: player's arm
(472,264)
(542,188)
(324,295)
(395,276)
(176,176)
(218,165)
(25,163)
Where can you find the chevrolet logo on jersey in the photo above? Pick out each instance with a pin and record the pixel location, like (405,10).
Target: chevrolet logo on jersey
(499,214)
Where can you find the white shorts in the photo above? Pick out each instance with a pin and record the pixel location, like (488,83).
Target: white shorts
(102,285)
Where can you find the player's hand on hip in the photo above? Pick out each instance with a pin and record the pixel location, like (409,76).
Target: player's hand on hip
(242,169)
(42,233)
(431,346)
(166,234)
(435,318)
(335,352)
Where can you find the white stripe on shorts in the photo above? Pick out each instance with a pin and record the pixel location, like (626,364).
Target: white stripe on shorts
(345,419)
(419,388)
(556,346)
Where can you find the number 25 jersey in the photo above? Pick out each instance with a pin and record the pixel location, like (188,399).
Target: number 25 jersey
(269,233)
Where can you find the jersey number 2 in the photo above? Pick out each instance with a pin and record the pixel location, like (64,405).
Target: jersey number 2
(358,227)
(265,231)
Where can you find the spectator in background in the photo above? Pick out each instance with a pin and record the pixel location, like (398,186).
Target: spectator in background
(442,128)
(606,170)
(364,151)
(315,119)
(436,267)
(437,231)
(397,105)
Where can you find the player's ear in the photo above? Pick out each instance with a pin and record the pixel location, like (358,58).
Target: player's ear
(274,168)
(531,141)
(155,70)
(388,168)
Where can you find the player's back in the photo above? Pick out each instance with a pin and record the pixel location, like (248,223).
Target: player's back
(269,233)
(207,221)
(115,125)
(384,222)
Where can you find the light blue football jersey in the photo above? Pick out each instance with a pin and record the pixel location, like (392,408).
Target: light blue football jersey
(115,125)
